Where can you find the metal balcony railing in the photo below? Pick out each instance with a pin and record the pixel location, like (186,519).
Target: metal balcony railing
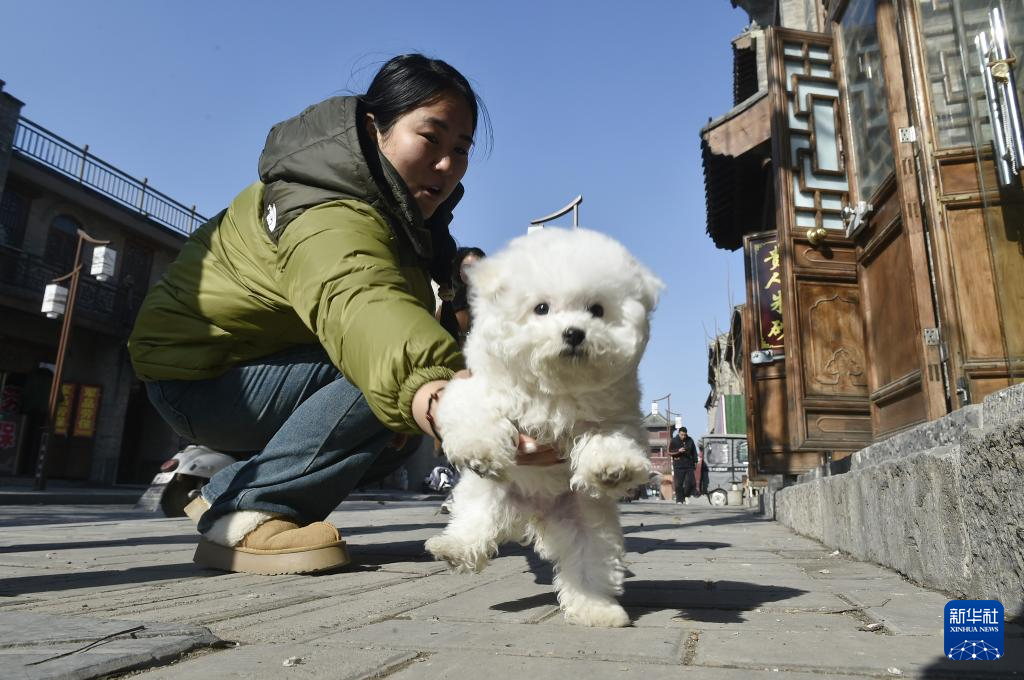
(43,146)
(112,305)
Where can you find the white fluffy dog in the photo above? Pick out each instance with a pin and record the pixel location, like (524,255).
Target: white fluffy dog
(560,321)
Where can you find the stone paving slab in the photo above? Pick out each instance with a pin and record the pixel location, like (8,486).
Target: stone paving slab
(38,645)
(510,600)
(665,646)
(319,618)
(315,660)
(446,665)
(857,653)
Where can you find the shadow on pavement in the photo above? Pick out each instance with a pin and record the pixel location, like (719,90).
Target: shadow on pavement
(358,531)
(707,601)
(681,526)
(644,545)
(48,583)
(22,516)
(82,545)
(531,602)
(386,553)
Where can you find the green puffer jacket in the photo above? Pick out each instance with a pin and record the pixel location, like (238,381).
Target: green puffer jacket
(327,248)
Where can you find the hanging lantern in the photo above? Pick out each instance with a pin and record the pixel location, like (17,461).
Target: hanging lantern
(654,408)
(55,300)
(103,260)
(679,422)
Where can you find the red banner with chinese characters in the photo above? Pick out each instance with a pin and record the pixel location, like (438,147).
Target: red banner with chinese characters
(765,264)
(10,399)
(88,410)
(8,434)
(62,419)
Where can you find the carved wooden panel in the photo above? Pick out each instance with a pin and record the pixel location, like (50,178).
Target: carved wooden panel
(839,427)
(833,259)
(833,340)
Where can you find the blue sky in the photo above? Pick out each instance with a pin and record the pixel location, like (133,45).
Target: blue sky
(604,99)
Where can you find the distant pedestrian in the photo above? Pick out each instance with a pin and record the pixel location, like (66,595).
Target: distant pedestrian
(454,314)
(684,464)
(703,473)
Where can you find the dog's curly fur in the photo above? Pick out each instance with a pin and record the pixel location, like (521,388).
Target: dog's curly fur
(560,322)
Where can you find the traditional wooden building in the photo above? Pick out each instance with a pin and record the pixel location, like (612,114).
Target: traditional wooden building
(105,429)
(726,403)
(870,171)
(659,434)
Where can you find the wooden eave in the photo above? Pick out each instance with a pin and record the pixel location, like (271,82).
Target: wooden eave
(734,150)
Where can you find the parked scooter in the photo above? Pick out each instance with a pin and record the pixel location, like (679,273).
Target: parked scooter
(180,479)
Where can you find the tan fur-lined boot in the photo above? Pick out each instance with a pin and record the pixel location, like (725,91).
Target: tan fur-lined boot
(196,507)
(262,543)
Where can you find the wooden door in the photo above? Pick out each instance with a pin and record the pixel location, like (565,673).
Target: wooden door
(905,378)
(978,225)
(826,367)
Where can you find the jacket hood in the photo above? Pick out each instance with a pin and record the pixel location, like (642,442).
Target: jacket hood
(323,155)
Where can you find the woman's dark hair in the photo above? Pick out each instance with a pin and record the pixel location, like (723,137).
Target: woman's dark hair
(409,81)
(460,255)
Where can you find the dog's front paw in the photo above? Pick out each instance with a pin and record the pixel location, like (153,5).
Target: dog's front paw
(460,556)
(609,463)
(598,615)
(489,452)
(613,475)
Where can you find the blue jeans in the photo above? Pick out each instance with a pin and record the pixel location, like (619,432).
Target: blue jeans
(314,435)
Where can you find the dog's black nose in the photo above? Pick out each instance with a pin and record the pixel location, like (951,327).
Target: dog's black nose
(573,336)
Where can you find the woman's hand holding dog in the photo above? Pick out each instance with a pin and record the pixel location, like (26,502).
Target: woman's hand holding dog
(530,453)
(425,407)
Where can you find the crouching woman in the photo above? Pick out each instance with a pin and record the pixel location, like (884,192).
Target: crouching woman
(298,323)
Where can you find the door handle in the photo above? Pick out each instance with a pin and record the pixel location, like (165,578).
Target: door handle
(1000,83)
(854,217)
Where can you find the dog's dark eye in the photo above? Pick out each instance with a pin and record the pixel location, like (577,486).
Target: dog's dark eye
(541,309)
(596,310)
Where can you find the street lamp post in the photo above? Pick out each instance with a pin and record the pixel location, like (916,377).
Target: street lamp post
(102,268)
(573,207)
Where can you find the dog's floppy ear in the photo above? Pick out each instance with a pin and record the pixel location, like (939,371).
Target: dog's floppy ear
(649,286)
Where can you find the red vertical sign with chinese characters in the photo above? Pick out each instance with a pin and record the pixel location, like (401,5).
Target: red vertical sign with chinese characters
(765,264)
(88,409)
(10,400)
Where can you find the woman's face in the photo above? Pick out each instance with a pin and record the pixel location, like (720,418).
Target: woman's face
(429,147)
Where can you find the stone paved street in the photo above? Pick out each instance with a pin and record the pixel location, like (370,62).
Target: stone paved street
(715,593)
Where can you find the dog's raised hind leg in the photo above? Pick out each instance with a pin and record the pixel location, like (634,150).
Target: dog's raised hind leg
(583,538)
(478,515)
